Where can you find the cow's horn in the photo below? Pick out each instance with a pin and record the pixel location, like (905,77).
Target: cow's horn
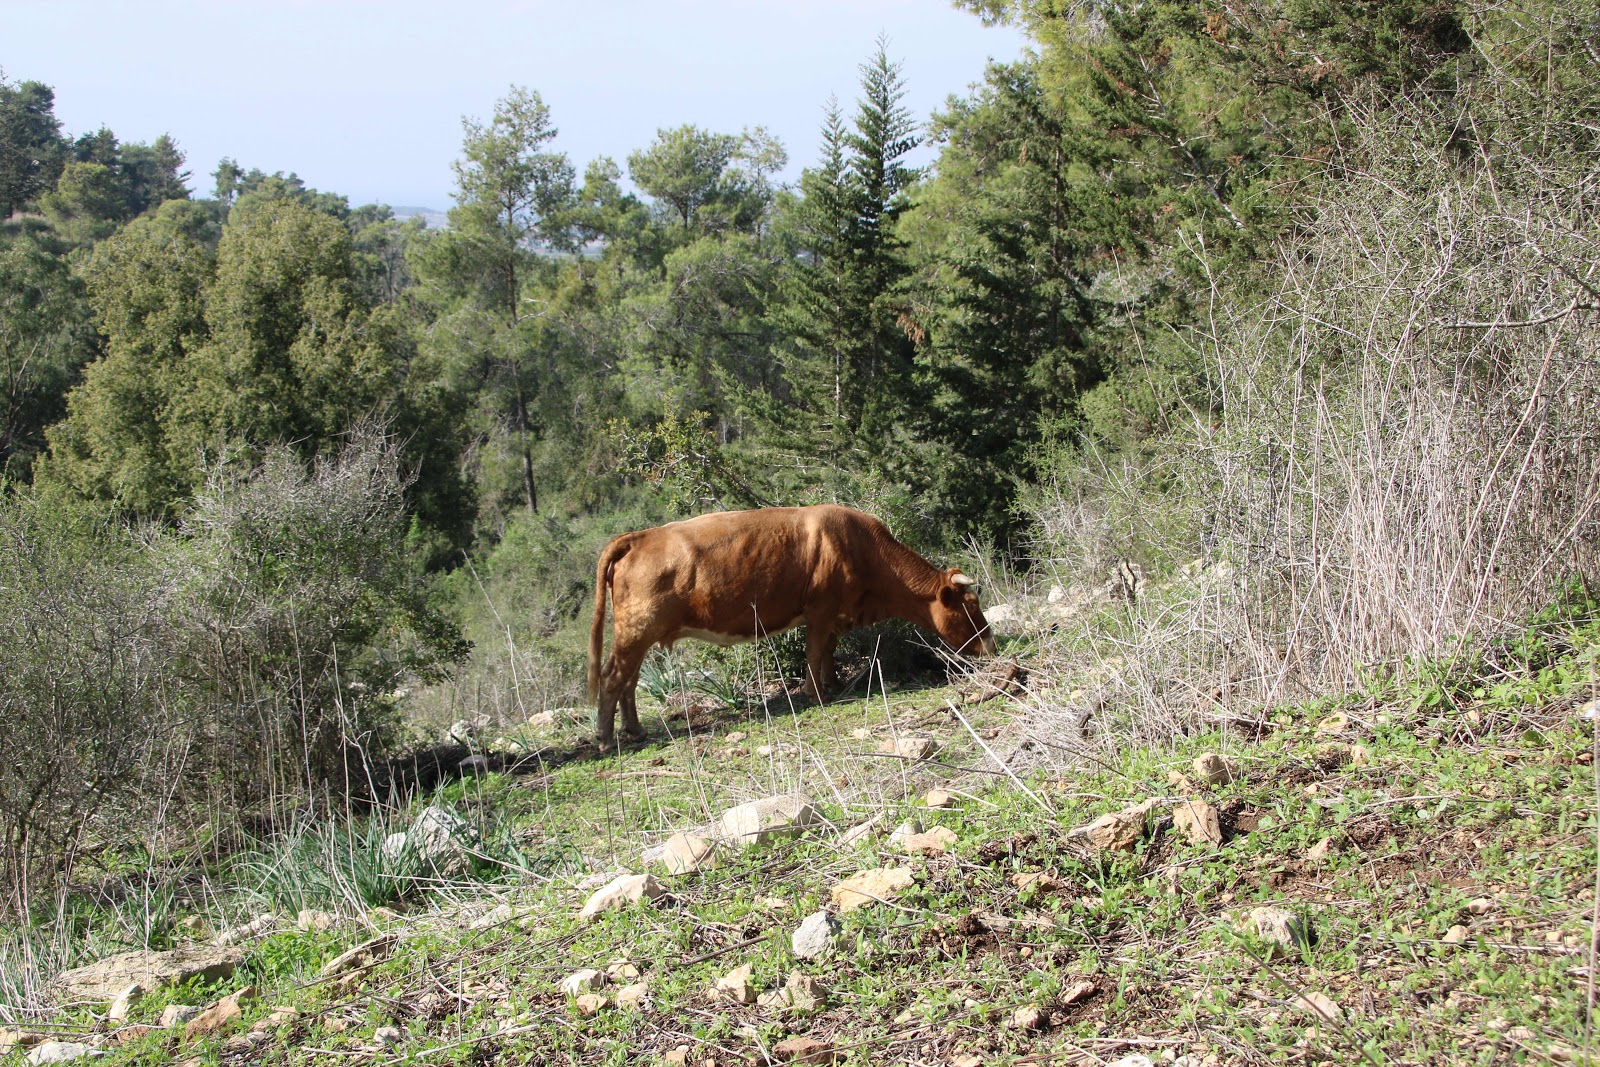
(961,581)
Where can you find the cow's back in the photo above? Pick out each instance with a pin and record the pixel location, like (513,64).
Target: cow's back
(740,574)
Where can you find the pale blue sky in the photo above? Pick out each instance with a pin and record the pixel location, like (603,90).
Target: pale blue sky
(365,97)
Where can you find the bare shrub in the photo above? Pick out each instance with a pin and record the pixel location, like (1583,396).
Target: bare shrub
(1405,453)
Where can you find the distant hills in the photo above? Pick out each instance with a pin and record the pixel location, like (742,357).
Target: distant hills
(432,218)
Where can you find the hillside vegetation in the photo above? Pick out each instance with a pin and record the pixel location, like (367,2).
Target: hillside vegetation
(1246,351)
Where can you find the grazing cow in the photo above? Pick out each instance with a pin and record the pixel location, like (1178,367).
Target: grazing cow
(734,576)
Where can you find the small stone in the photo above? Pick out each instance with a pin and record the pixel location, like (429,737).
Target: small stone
(582,981)
(1360,755)
(497,915)
(622,972)
(860,831)
(1028,1017)
(934,842)
(816,935)
(911,748)
(736,986)
(1320,1005)
(61,1052)
(860,734)
(1456,935)
(938,798)
(473,766)
(1137,1059)
(1212,768)
(1480,906)
(678,1057)
(123,1002)
(313,920)
(1182,783)
(387,1036)
(278,1017)
(804,1050)
(620,892)
(631,996)
(1117,831)
(1333,724)
(1039,881)
(591,1003)
(800,993)
(173,1014)
(1198,820)
(1322,850)
(335,1025)
(869,887)
(1284,932)
(1076,992)
(761,821)
(764,751)
(734,738)
(909,828)
(363,955)
(685,853)
(219,1016)
(966,1059)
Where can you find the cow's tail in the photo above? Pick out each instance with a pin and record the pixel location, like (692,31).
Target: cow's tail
(614,550)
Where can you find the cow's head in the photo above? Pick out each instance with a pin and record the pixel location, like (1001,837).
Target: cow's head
(957,617)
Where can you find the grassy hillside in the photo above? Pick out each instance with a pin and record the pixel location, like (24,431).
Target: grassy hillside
(1434,845)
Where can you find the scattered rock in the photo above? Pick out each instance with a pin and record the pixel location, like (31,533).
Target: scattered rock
(1198,820)
(799,993)
(1360,755)
(387,1036)
(103,980)
(501,913)
(219,1016)
(1334,724)
(938,798)
(380,916)
(591,1003)
(620,892)
(1076,992)
(934,842)
(174,1014)
(1480,906)
(816,935)
(279,1016)
(440,839)
(313,920)
(1137,1059)
(1284,932)
(1456,935)
(736,986)
(910,748)
(583,981)
(1117,831)
(507,746)
(804,1050)
(61,1052)
(869,887)
(466,731)
(631,997)
(1322,849)
(1212,768)
(861,733)
(860,831)
(1037,880)
(907,829)
(685,853)
(966,1059)
(622,971)
(123,1002)
(1028,1017)
(677,1057)
(761,821)
(474,766)
(1320,1005)
(363,955)
(542,720)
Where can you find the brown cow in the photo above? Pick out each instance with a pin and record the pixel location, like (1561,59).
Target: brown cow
(733,576)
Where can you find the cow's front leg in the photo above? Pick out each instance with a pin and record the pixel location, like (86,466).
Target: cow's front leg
(820,643)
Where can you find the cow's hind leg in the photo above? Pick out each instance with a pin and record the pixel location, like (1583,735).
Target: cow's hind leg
(618,688)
